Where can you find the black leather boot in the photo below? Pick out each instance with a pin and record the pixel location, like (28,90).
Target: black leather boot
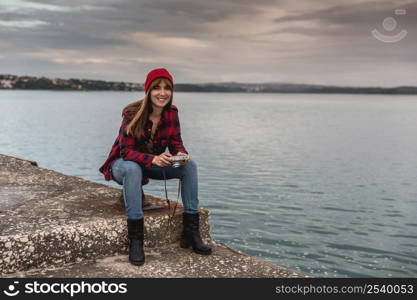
(191,234)
(135,236)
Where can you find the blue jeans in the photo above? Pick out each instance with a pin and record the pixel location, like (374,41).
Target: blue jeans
(130,174)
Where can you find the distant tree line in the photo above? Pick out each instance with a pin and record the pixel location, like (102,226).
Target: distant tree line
(43,83)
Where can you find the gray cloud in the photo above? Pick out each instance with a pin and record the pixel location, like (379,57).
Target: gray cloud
(240,40)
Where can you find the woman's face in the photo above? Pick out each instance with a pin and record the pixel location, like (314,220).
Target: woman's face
(160,95)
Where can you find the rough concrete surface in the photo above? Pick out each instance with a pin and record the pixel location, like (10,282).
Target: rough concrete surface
(169,261)
(54,225)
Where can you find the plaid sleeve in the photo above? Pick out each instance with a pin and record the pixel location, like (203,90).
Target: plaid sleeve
(127,148)
(175,143)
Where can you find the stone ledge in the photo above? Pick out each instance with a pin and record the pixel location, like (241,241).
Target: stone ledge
(55,225)
(66,244)
(48,218)
(169,261)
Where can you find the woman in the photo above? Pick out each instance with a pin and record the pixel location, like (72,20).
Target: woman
(149,126)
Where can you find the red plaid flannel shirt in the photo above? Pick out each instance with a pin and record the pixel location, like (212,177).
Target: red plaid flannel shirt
(167,134)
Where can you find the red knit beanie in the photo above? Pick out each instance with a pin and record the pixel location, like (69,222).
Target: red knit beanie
(157,73)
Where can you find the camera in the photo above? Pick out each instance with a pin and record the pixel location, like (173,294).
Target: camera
(178,160)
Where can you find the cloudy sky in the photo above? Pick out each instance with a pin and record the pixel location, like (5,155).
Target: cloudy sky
(319,42)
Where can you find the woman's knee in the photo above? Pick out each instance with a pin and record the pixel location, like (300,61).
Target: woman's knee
(191,165)
(131,168)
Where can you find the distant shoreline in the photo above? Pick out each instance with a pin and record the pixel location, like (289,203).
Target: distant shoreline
(13,82)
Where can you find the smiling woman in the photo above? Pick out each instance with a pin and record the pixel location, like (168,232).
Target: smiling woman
(149,126)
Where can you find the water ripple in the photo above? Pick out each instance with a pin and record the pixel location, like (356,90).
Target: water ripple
(358,248)
(339,209)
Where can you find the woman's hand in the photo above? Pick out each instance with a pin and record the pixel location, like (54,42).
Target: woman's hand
(187,157)
(162,160)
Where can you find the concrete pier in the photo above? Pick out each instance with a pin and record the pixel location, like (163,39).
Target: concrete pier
(55,225)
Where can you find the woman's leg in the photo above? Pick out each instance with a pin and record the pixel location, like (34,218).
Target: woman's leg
(189,182)
(130,175)
(189,192)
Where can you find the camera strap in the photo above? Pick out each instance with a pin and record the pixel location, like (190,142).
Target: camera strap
(166,195)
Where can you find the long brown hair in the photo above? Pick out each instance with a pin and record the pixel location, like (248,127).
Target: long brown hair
(141,110)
